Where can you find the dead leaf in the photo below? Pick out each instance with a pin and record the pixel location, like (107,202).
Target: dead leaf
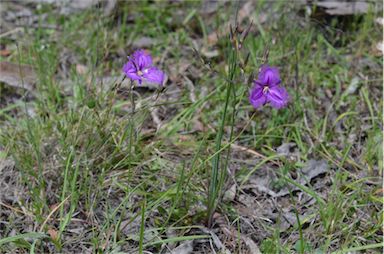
(41,1)
(343,8)
(81,69)
(73,6)
(230,194)
(82,5)
(110,7)
(312,169)
(380,47)
(209,7)
(6,169)
(184,248)
(191,88)
(252,246)
(53,234)
(355,83)
(216,241)
(261,186)
(156,118)
(198,126)
(5,52)
(289,150)
(144,42)
(232,232)
(53,206)
(287,219)
(131,228)
(19,76)
(177,70)
(209,53)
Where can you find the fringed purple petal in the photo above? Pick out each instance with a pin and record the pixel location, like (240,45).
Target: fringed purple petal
(269,76)
(257,98)
(154,75)
(130,70)
(142,59)
(278,97)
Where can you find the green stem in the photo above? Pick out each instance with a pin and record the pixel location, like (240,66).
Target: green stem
(142,226)
(131,120)
(215,181)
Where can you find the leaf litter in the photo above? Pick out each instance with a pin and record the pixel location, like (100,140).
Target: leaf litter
(18,76)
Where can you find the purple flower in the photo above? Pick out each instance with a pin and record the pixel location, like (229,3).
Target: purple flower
(267,89)
(139,67)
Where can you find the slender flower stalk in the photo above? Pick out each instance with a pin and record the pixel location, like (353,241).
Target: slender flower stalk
(140,68)
(266,90)
(218,173)
(132,130)
(219,170)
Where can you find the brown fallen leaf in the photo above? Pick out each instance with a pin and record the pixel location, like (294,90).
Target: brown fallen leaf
(5,52)
(81,69)
(53,234)
(19,76)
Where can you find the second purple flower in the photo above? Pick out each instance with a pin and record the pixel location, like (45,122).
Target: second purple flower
(139,67)
(267,89)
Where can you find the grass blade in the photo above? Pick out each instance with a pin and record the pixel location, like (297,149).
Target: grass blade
(31,235)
